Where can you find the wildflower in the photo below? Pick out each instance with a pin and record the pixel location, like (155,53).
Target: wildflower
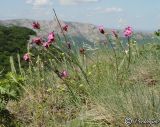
(37,40)
(46,44)
(36,25)
(26,57)
(82,50)
(115,33)
(64,74)
(101,29)
(128,31)
(51,37)
(65,27)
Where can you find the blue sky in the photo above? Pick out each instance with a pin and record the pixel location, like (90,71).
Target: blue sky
(140,14)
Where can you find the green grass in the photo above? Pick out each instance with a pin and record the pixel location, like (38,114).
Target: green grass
(103,87)
(49,101)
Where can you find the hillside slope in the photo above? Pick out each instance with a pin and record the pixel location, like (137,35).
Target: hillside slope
(88,32)
(13,40)
(79,32)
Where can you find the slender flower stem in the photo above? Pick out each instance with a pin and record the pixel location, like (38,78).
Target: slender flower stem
(115,55)
(71,55)
(129,58)
(60,25)
(118,41)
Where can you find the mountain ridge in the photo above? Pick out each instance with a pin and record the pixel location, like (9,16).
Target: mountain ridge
(88,32)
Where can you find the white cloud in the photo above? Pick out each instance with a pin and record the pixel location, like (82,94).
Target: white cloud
(113,9)
(72,2)
(38,3)
(108,10)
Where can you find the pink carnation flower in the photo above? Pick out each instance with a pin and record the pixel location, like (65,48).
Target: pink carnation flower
(37,40)
(26,57)
(36,25)
(64,74)
(65,27)
(46,44)
(51,37)
(128,31)
(101,29)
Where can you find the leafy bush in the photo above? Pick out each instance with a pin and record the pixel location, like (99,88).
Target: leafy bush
(10,89)
(13,40)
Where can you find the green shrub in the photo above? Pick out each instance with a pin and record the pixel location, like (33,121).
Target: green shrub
(10,89)
(13,40)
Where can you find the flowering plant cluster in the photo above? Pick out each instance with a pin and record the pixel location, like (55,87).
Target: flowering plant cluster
(39,41)
(128,32)
(46,43)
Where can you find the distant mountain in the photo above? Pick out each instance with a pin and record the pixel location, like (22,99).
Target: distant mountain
(87,32)
(79,32)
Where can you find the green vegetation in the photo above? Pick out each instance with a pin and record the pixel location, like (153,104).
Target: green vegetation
(101,88)
(10,90)
(13,41)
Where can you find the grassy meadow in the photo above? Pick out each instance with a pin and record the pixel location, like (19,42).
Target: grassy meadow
(107,85)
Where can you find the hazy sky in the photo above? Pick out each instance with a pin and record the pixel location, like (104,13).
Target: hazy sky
(140,14)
